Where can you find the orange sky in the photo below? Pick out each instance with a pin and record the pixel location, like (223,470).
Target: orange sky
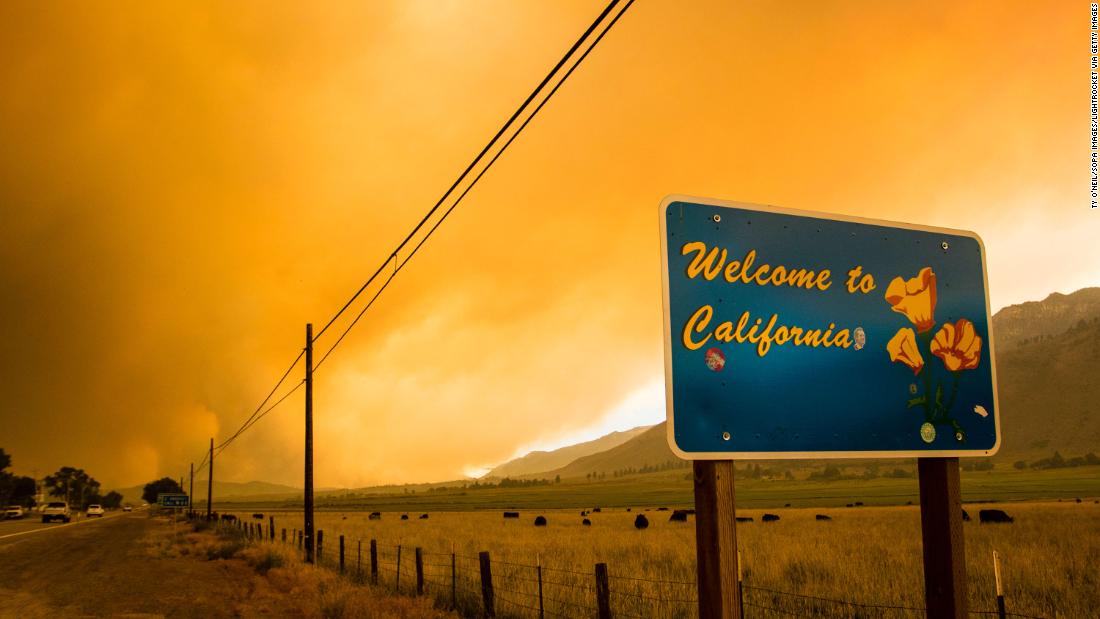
(184,187)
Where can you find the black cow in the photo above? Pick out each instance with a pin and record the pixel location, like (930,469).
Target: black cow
(586,522)
(641,522)
(540,521)
(628,509)
(423,516)
(511,514)
(822,517)
(584,513)
(993,516)
(678,516)
(859,503)
(596,510)
(770,518)
(229,518)
(744,519)
(258,516)
(404,516)
(966,516)
(662,509)
(375,516)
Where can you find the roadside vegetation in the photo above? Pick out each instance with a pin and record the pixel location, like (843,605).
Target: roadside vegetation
(282,581)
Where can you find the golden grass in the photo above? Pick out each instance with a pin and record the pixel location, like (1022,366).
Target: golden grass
(869,555)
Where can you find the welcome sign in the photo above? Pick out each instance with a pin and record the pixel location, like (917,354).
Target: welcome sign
(793,334)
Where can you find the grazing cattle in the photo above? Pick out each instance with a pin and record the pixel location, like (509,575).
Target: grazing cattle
(404,516)
(344,518)
(511,514)
(744,519)
(584,513)
(859,503)
(423,516)
(678,516)
(641,522)
(822,517)
(1078,500)
(229,518)
(662,509)
(993,516)
(375,516)
(628,509)
(770,518)
(596,510)
(848,505)
(258,516)
(966,516)
(586,522)
(787,505)
(540,521)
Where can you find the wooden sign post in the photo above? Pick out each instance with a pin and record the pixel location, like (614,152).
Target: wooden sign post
(945,589)
(716,540)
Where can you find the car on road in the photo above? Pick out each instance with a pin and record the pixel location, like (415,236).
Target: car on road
(13,511)
(94,510)
(57,510)
(128,508)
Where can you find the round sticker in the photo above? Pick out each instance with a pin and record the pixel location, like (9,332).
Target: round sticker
(928,432)
(861,338)
(714,359)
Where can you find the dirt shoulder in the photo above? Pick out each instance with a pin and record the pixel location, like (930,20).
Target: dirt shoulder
(137,566)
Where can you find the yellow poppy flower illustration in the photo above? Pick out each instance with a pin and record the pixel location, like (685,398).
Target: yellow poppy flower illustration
(958,345)
(903,347)
(915,298)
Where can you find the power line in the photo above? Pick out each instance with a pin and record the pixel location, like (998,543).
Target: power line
(500,132)
(259,413)
(393,256)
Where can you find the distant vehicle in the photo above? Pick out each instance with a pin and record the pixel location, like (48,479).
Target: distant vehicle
(128,508)
(13,511)
(57,510)
(94,510)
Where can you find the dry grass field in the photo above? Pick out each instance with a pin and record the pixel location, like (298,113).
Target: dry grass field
(865,562)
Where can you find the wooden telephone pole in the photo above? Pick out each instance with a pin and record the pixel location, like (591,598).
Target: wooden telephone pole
(308,492)
(210,482)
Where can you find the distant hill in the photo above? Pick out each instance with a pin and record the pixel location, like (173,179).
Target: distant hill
(1017,324)
(649,449)
(1048,353)
(543,461)
(221,490)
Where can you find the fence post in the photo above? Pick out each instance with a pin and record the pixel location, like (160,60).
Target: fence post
(1001,614)
(284,537)
(341,554)
(603,592)
(271,527)
(419,572)
(486,583)
(359,558)
(374,561)
(454,579)
(300,539)
(538,572)
(320,541)
(397,581)
(740,586)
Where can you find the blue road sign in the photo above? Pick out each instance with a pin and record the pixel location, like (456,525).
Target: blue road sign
(172,500)
(794,334)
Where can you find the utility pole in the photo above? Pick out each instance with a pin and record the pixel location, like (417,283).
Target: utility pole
(210,482)
(308,492)
(191,493)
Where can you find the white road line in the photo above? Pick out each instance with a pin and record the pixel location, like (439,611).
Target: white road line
(60,526)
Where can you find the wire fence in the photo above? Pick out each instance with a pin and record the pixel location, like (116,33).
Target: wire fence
(477,586)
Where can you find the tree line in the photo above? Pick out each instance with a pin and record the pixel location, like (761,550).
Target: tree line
(75,486)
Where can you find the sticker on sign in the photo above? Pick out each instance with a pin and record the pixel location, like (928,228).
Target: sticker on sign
(796,334)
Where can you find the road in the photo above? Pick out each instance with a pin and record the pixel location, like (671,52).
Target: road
(110,567)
